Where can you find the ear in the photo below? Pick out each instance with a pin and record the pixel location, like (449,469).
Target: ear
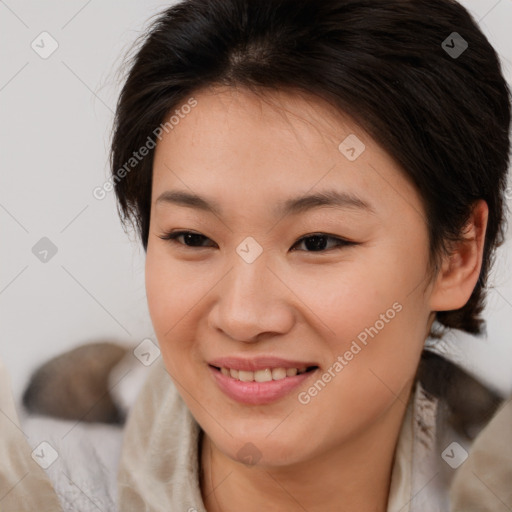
(460,271)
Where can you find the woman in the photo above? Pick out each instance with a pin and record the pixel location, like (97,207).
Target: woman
(327,181)
(319,189)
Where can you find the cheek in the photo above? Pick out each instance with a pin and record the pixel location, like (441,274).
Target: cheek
(376,297)
(159,294)
(169,290)
(365,380)
(381,359)
(163,292)
(373,323)
(173,298)
(344,300)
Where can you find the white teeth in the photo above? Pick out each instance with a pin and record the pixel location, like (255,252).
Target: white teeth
(265,375)
(278,373)
(245,376)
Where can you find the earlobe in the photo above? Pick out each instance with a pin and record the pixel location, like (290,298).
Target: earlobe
(460,271)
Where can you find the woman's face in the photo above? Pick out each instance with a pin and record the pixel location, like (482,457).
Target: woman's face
(252,298)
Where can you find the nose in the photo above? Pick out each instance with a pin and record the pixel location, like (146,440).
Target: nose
(252,303)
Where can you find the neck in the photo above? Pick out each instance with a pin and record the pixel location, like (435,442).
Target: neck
(351,477)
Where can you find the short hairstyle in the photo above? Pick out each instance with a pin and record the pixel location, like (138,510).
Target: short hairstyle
(444,117)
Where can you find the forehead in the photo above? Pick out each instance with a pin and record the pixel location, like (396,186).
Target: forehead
(249,148)
(289,121)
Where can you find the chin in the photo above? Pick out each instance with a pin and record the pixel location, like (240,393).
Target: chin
(262,445)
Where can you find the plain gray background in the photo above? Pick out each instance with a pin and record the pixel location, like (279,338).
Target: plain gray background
(56,116)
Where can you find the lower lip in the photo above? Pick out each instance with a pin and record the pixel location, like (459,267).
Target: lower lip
(258,393)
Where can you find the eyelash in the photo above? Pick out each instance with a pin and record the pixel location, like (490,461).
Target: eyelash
(172,237)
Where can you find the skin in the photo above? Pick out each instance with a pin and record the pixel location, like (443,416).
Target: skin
(249,153)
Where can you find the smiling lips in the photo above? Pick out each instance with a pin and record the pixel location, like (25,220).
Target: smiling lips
(259,381)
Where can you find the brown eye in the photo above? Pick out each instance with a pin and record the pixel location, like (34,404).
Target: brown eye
(190,238)
(318,242)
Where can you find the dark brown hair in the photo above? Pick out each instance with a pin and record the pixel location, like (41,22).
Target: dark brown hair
(443,117)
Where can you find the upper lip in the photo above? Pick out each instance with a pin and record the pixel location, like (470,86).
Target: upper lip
(258,363)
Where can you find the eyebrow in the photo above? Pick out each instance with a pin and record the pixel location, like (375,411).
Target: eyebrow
(296,205)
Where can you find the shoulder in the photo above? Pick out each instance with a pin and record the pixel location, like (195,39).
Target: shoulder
(159,413)
(157,403)
(482,483)
(452,471)
(159,460)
